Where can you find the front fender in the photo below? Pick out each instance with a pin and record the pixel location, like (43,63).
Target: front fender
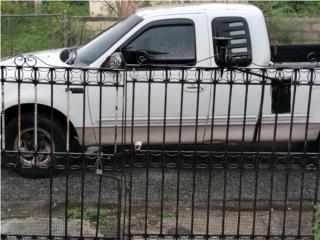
(41,94)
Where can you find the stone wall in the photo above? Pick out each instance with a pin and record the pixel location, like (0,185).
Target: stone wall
(294,30)
(310,29)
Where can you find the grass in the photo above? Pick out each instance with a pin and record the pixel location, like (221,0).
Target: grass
(316,226)
(167,215)
(4,215)
(154,219)
(26,35)
(21,34)
(107,218)
(90,214)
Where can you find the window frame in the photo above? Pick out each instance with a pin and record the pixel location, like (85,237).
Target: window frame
(245,27)
(165,23)
(92,43)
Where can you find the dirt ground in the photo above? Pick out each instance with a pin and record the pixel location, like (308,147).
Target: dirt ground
(25,204)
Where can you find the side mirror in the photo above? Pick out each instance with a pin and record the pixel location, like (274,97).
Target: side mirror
(115,61)
(221,47)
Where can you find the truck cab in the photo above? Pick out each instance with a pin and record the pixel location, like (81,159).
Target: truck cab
(184,35)
(181,36)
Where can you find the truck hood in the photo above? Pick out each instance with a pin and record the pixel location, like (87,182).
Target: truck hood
(47,58)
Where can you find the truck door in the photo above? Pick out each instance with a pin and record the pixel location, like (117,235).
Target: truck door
(165,103)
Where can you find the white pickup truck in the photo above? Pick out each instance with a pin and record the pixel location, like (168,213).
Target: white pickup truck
(188,35)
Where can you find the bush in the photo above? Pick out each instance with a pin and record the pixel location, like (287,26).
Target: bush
(277,14)
(316,226)
(281,30)
(72,8)
(25,34)
(77,32)
(20,34)
(289,9)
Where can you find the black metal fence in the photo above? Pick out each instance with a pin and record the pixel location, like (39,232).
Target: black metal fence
(159,152)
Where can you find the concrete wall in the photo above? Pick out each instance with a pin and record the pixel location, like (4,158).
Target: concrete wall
(310,29)
(98,8)
(294,30)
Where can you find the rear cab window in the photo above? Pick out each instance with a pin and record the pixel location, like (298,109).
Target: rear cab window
(239,48)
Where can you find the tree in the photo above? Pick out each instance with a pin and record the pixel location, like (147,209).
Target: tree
(122,8)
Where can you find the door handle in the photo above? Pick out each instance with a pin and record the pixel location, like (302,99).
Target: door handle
(194,88)
(75,90)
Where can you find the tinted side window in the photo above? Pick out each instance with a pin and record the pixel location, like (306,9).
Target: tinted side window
(166,44)
(236,28)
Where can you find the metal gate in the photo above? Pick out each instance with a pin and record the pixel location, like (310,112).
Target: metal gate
(159,152)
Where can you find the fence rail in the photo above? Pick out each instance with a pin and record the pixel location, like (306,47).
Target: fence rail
(159,152)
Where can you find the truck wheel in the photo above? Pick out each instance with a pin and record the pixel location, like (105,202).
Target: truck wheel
(29,164)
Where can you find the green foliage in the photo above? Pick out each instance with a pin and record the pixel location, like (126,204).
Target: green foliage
(168,215)
(4,215)
(90,214)
(25,34)
(21,34)
(73,8)
(278,15)
(8,7)
(145,4)
(289,8)
(316,226)
(78,34)
(154,220)
(281,30)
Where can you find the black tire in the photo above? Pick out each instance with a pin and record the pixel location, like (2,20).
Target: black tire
(26,165)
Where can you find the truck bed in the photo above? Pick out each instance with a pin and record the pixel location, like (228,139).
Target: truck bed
(295,53)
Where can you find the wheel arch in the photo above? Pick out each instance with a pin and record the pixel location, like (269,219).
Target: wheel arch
(11,112)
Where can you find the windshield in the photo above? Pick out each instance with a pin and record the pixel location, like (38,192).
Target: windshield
(99,45)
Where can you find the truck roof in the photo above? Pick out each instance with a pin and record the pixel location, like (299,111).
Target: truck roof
(192,9)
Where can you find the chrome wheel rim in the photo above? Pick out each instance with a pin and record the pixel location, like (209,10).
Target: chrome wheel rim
(27,149)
